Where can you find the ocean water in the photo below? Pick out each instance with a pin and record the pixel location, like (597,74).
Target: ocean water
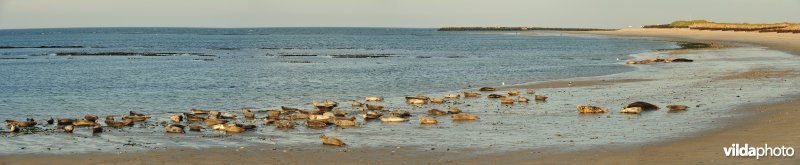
(265,68)
(244,67)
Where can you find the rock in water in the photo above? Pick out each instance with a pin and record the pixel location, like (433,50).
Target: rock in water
(590,109)
(327,140)
(644,105)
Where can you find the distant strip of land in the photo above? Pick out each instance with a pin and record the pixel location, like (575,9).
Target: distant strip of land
(784,27)
(518,29)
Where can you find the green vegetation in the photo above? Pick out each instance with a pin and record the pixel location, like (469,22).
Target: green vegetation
(686,24)
(692,45)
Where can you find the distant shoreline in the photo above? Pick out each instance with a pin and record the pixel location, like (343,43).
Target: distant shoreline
(518,29)
(786,42)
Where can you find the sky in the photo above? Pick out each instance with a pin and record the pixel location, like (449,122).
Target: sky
(15,14)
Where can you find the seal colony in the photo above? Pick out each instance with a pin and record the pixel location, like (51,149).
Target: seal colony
(325,114)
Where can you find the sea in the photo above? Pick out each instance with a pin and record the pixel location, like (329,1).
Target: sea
(72,72)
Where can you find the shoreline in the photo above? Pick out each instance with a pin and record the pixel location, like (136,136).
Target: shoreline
(381,155)
(786,42)
(760,123)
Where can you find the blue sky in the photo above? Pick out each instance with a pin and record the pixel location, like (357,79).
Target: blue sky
(384,13)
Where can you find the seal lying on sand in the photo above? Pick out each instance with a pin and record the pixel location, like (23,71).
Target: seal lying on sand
(327,140)
(644,105)
(90,118)
(436,112)
(393,119)
(507,101)
(27,123)
(487,89)
(373,98)
(590,109)
(632,110)
(427,120)
(174,128)
(677,107)
(68,128)
(371,114)
(464,116)
(117,124)
(512,92)
(83,122)
(452,96)
(284,124)
(344,123)
(494,96)
(453,110)
(247,113)
(471,94)
(176,118)
(355,103)
(97,129)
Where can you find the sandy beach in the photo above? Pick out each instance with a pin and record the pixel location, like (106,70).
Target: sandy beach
(769,123)
(758,123)
(779,41)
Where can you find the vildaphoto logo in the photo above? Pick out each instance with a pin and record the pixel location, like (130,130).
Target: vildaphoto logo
(758,152)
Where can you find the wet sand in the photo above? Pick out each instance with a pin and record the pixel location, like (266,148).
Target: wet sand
(771,123)
(760,73)
(563,84)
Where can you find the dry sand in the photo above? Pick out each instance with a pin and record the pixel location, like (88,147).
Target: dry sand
(774,124)
(787,42)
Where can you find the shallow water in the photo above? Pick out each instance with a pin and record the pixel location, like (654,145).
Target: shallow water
(43,85)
